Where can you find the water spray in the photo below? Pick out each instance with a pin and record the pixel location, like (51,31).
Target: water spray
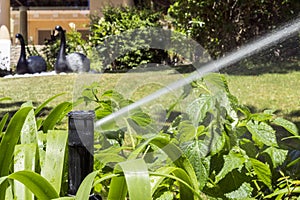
(233,57)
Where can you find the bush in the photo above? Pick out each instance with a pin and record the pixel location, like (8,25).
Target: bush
(114,22)
(221,26)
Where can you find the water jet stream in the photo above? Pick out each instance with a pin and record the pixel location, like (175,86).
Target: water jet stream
(244,52)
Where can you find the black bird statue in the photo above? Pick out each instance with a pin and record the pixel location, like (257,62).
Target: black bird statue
(31,65)
(73,62)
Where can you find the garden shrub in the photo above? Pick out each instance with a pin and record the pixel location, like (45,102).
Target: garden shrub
(222,26)
(114,22)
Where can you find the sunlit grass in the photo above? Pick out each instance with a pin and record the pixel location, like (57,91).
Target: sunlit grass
(279,92)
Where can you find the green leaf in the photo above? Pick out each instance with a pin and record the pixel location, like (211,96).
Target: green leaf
(262,133)
(168,195)
(213,141)
(38,109)
(39,186)
(8,142)
(185,185)
(3,122)
(277,156)
(262,171)
(242,193)
(198,109)
(24,159)
(200,163)
(137,179)
(288,125)
(284,191)
(29,129)
(52,169)
(234,160)
(86,186)
(55,115)
(5,99)
(187,131)
(174,153)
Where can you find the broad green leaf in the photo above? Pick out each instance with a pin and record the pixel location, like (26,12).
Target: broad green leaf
(137,179)
(288,125)
(38,109)
(117,188)
(277,156)
(186,190)
(29,129)
(24,159)
(234,160)
(52,169)
(56,115)
(86,186)
(242,193)
(262,133)
(38,185)
(8,142)
(9,193)
(174,154)
(262,171)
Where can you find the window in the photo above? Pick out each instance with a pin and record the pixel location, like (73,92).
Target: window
(43,35)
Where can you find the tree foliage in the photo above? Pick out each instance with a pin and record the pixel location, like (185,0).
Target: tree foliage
(221,26)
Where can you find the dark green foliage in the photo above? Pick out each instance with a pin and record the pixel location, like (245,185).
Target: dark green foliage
(221,26)
(134,49)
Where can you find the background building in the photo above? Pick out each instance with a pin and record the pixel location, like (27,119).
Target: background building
(37,18)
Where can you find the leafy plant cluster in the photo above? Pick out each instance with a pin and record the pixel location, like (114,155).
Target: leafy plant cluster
(131,49)
(215,149)
(222,26)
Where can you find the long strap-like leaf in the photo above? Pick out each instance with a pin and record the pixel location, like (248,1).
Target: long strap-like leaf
(8,142)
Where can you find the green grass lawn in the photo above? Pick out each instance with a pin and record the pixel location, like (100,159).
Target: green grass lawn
(279,92)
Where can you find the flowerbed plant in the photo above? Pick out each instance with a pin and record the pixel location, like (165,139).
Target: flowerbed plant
(215,149)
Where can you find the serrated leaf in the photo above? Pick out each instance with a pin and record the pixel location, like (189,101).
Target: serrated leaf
(200,163)
(198,109)
(234,160)
(242,193)
(277,156)
(288,125)
(262,171)
(187,131)
(262,133)
(213,141)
